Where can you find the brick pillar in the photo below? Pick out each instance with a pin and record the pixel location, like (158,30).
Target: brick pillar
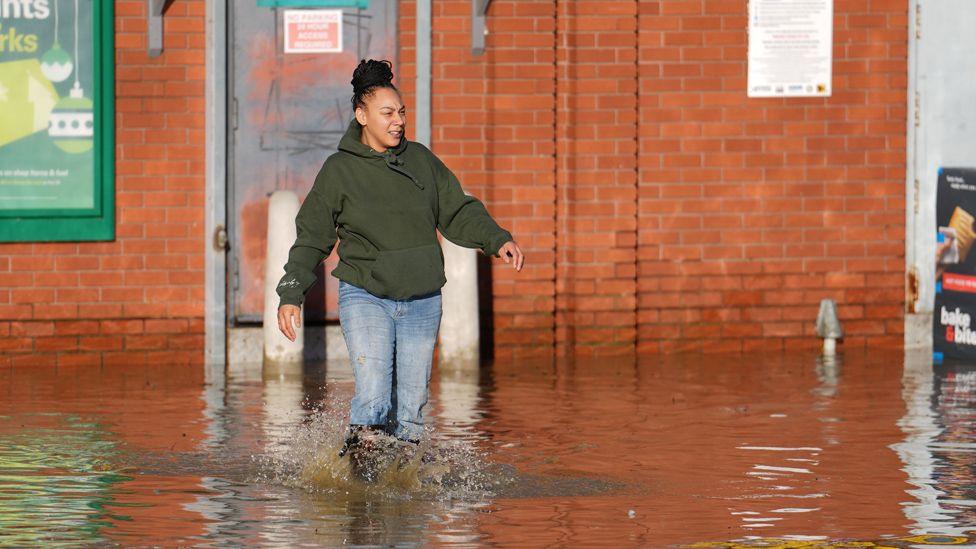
(596,177)
(492,124)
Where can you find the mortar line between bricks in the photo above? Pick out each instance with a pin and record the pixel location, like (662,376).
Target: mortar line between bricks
(555,170)
(636,183)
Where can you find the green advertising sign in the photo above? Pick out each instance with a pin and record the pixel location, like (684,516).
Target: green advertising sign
(56,120)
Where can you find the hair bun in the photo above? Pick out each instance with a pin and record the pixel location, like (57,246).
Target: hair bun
(371,72)
(369,76)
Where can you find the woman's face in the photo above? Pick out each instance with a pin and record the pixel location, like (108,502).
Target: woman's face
(384,119)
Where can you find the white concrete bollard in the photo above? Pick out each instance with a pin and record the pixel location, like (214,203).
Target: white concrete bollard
(459,337)
(282,209)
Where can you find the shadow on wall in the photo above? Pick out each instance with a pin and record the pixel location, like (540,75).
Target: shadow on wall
(485,308)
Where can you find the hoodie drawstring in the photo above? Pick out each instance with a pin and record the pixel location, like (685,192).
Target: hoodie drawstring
(393,162)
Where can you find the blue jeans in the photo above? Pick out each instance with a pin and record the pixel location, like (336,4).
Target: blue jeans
(389,338)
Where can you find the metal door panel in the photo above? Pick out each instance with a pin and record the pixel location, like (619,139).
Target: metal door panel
(287,113)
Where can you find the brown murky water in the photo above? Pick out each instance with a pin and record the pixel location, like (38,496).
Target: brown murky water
(717,451)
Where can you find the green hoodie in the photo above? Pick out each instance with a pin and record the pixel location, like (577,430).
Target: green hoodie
(383,208)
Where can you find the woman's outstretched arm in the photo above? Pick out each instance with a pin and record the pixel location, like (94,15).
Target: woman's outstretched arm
(462,218)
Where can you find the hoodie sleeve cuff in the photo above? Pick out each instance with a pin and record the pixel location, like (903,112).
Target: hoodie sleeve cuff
(290,300)
(497,242)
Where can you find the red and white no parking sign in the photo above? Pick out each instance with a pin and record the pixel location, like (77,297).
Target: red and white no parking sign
(313,31)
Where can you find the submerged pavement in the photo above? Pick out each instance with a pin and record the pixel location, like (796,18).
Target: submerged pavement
(872,448)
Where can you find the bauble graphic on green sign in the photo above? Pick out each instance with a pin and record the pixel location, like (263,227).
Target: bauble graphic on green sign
(56,64)
(72,123)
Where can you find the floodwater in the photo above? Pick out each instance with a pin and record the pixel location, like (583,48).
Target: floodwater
(713,451)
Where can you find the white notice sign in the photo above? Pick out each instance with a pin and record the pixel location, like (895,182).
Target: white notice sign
(790,48)
(313,31)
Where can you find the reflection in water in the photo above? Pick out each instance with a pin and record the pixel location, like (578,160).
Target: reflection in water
(939,449)
(792,472)
(729,451)
(459,411)
(63,436)
(54,480)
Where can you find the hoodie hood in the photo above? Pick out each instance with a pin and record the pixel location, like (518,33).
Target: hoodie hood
(351,144)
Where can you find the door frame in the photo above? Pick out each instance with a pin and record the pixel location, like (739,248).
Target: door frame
(215,225)
(918,321)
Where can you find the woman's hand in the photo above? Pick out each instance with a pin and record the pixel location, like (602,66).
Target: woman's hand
(511,253)
(287,314)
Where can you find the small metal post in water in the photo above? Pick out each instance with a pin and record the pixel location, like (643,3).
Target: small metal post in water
(828,326)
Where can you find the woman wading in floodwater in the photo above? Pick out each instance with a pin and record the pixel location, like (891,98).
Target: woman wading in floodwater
(383,197)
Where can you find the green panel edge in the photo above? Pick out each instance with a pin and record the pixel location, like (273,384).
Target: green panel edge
(71,228)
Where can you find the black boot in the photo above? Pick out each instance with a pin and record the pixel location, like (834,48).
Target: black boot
(365,451)
(353,439)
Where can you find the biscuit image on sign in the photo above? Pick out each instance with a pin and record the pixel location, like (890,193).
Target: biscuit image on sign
(947,248)
(962,222)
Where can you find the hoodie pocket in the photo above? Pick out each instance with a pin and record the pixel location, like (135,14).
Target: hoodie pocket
(406,273)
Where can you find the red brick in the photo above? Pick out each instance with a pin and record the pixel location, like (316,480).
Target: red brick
(145,342)
(77,327)
(16,344)
(100,343)
(50,344)
(79,359)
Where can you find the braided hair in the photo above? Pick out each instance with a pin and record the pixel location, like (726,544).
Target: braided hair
(369,76)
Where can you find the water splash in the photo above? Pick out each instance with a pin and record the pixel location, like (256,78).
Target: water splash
(439,468)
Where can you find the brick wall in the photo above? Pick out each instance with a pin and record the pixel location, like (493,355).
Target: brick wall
(139,298)
(753,210)
(660,209)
